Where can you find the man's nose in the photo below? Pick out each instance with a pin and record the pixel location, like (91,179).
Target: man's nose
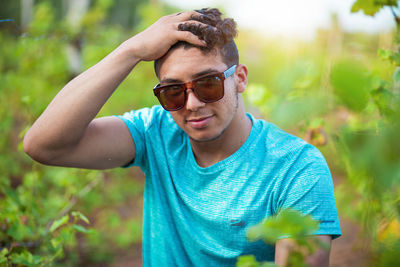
(193,103)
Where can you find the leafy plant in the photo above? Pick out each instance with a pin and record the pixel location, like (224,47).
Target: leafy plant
(286,224)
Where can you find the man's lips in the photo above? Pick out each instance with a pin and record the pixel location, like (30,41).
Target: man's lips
(199,122)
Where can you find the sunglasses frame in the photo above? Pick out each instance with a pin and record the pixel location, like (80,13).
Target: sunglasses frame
(191,85)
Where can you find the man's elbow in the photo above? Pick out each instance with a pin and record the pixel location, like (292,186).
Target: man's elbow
(34,150)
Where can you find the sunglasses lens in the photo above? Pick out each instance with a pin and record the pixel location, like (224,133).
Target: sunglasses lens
(172,97)
(209,89)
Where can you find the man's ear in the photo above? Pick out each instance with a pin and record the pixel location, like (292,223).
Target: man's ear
(241,77)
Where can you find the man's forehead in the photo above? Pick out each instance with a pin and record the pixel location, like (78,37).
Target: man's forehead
(181,54)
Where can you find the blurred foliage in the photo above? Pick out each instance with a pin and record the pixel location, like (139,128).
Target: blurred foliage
(250,261)
(339,92)
(121,13)
(342,94)
(350,81)
(42,208)
(286,224)
(371,7)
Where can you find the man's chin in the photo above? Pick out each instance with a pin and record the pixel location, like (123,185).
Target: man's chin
(205,138)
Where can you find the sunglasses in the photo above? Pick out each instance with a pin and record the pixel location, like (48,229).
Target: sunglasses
(208,89)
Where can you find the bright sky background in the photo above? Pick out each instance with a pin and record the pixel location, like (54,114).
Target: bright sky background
(294,18)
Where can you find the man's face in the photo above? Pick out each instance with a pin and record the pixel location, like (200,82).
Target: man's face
(201,121)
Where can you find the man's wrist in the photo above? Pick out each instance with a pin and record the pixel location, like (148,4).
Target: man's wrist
(128,52)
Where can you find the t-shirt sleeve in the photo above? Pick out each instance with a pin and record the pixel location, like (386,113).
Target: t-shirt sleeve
(308,188)
(138,122)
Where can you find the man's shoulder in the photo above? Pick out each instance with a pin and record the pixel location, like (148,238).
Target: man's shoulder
(283,145)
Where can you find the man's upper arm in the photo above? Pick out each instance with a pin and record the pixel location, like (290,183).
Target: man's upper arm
(320,257)
(106,143)
(308,188)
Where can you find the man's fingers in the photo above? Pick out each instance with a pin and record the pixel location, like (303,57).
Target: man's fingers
(192,25)
(186,16)
(196,28)
(190,38)
(187,24)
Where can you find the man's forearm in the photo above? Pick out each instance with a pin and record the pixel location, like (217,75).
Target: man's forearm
(74,107)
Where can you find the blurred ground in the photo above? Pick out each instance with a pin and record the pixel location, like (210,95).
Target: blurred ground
(349,249)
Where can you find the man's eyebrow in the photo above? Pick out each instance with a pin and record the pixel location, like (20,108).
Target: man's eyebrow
(169,80)
(194,76)
(204,72)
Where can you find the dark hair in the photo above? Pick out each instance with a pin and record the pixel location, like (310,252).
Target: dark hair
(219,34)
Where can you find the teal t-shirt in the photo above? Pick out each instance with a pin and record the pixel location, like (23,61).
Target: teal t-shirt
(196,216)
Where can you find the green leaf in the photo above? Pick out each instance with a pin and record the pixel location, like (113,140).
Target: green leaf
(288,223)
(37,259)
(396,75)
(250,261)
(367,6)
(385,54)
(268,264)
(3,256)
(80,216)
(56,224)
(246,261)
(351,83)
(12,194)
(19,231)
(81,229)
(25,258)
(382,99)
(55,242)
(4,252)
(3,261)
(371,7)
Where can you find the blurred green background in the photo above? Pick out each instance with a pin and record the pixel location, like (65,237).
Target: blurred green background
(339,91)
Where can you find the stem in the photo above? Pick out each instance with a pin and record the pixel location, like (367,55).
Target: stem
(396,18)
(394,14)
(75,199)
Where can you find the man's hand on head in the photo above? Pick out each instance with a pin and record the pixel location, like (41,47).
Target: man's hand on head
(156,40)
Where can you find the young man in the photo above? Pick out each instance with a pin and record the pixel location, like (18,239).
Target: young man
(211,170)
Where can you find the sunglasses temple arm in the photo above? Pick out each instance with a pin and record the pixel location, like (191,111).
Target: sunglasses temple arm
(230,71)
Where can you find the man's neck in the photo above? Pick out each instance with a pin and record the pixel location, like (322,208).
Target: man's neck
(211,152)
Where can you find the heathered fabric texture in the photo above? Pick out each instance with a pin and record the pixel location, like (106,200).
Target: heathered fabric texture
(196,216)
